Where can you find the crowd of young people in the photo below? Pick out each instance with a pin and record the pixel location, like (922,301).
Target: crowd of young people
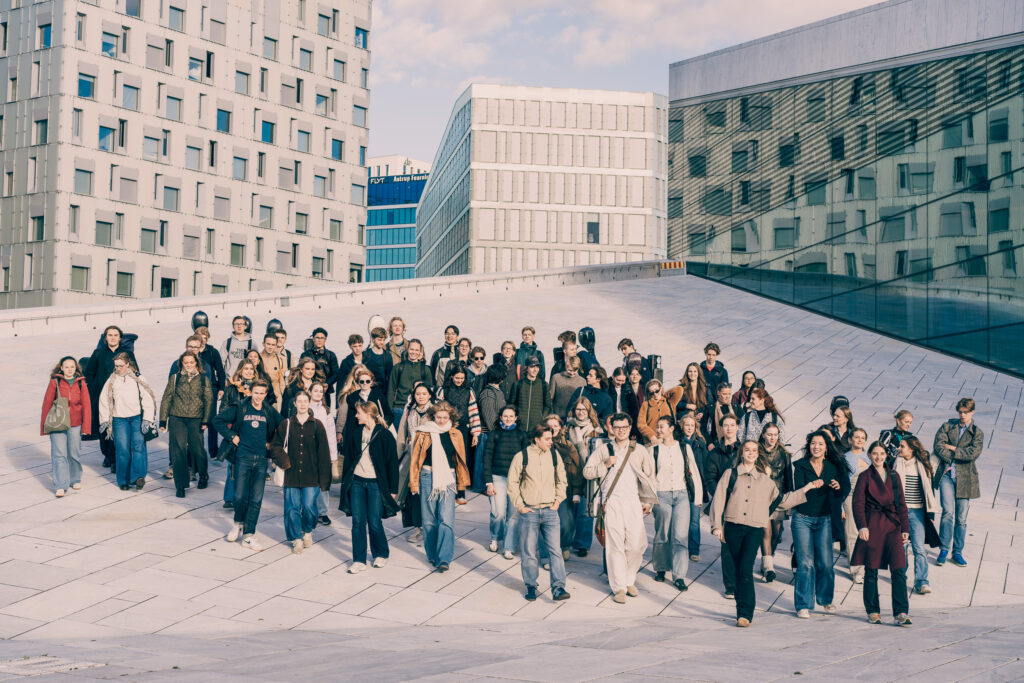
(563,458)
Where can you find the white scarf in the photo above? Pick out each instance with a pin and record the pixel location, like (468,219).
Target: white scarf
(442,478)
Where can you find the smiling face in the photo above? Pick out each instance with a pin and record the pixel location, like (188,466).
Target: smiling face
(317,392)
(254,356)
(771,436)
(415,352)
(692,373)
(905,422)
(248,372)
(839,418)
(581,412)
(308,370)
(818,447)
(188,364)
(757,402)
(464,347)
(543,441)
(421,395)
(878,456)
(193,346)
(689,426)
(450,336)
(458,378)
(906,452)
(508,350)
(634,376)
(749,454)
(365,381)
(508,417)
(68,367)
(663,430)
(859,439)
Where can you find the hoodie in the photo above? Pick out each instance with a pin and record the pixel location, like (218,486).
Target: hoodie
(232,352)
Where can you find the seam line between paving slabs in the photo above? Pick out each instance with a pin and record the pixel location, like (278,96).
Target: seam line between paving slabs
(974,586)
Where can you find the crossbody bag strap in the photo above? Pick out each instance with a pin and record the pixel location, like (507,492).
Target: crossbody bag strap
(618,474)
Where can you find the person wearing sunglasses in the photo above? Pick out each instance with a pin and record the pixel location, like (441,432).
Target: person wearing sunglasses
(476,370)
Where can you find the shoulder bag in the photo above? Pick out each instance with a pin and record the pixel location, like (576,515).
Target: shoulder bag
(278,476)
(58,417)
(599,528)
(152,432)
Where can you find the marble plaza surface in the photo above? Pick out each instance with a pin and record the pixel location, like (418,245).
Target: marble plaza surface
(142,586)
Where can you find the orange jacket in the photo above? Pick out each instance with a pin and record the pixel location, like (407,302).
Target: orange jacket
(420,446)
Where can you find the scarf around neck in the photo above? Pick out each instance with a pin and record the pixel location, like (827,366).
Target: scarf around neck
(442,477)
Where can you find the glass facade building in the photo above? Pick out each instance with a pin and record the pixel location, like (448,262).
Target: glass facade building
(891,198)
(391,226)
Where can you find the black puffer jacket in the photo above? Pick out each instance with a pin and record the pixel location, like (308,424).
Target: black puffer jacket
(502,446)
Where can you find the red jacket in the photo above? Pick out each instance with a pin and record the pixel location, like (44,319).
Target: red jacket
(79,405)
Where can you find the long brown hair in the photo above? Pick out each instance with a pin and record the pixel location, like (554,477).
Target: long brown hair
(295,374)
(127,358)
(700,391)
(920,454)
(591,413)
(769,403)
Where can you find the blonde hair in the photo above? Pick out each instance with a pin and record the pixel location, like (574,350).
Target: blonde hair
(371,409)
(352,381)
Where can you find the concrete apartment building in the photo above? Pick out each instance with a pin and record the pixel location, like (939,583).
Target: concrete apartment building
(395,185)
(869,167)
(174,147)
(528,178)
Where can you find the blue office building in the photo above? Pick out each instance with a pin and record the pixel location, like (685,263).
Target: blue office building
(391,225)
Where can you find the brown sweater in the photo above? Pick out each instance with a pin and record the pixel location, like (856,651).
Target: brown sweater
(650,411)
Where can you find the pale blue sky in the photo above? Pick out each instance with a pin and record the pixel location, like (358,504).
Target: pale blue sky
(425,52)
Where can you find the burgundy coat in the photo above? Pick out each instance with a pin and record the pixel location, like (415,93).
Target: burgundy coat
(881,508)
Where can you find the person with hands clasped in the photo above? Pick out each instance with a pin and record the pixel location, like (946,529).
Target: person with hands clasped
(813,520)
(880,509)
(536,488)
(628,492)
(127,410)
(185,412)
(680,487)
(744,501)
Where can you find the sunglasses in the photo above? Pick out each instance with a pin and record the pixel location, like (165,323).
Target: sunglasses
(366,381)
(478,357)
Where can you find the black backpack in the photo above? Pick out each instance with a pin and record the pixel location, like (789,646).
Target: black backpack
(526,459)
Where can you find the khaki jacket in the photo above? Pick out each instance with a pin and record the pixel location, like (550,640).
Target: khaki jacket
(541,485)
(750,501)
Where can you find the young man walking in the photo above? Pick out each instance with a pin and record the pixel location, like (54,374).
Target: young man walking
(536,487)
(958,444)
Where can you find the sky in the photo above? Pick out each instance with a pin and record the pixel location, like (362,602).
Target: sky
(424,53)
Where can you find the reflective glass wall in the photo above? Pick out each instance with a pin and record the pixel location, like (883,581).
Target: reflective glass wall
(892,199)
(391,226)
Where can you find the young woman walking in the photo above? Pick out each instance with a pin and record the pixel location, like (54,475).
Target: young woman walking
(457,391)
(186,410)
(320,406)
(369,483)
(582,428)
(437,470)
(67,382)
(680,489)
(880,510)
(916,470)
(779,465)
(413,415)
(506,440)
(127,407)
(300,449)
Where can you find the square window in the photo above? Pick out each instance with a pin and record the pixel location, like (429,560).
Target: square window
(151,148)
(173,108)
(104,231)
(305,60)
(108,45)
(86,86)
(124,284)
(79,279)
(302,141)
(242,82)
(148,241)
(223,121)
(83,182)
(106,139)
(323,25)
(132,7)
(130,97)
(358,195)
(239,168)
(267,132)
(171,198)
(193,158)
(359,116)
(266,217)
(698,166)
(176,19)
(237,254)
(269,48)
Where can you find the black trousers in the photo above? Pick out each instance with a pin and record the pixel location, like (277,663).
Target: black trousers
(900,602)
(186,448)
(728,571)
(412,514)
(741,545)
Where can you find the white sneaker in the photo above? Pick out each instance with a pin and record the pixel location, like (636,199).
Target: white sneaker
(60,493)
(251,543)
(493,546)
(380,562)
(307,540)
(508,555)
(77,486)
(830,609)
(235,532)
(356,567)
(803,614)
(297,547)
(416,536)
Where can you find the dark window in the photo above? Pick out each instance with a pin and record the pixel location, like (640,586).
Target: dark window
(837,146)
(698,166)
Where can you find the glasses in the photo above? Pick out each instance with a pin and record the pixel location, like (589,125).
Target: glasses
(478,357)
(620,428)
(366,381)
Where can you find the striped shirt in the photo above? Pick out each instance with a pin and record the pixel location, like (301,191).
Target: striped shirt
(912,491)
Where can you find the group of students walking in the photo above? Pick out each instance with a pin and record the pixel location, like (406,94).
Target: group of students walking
(563,458)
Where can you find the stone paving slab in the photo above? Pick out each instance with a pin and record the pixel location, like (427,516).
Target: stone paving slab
(134,584)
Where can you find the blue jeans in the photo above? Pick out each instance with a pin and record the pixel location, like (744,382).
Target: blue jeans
(367,510)
(396,413)
(229,483)
(537,524)
(952,532)
(299,511)
(671,524)
(438,521)
(504,518)
(566,529)
(815,577)
(477,474)
(917,542)
(130,449)
(250,471)
(584,526)
(66,457)
(693,539)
